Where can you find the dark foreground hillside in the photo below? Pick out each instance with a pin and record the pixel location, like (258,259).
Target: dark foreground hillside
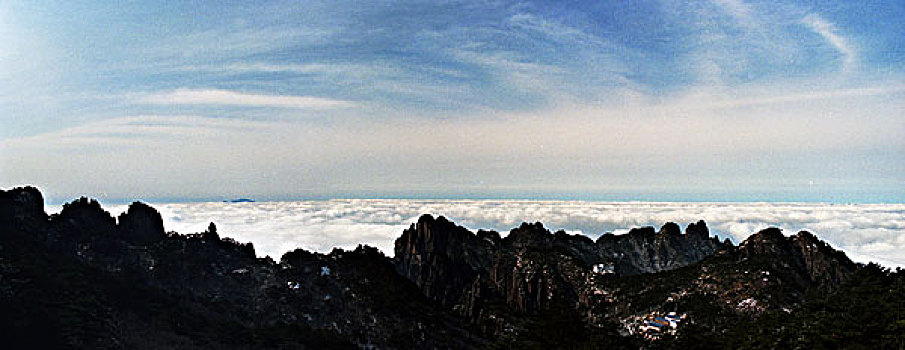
(84,279)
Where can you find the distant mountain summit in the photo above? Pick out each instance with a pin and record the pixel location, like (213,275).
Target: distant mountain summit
(85,279)
(240,200)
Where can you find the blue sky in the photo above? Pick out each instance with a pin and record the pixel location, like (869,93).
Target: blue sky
(703,100)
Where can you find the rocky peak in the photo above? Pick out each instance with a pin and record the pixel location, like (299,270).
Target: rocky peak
(529,235)
(80,267)
(577,246)
(646,232)
(431,236)
(768,235)
(560,291)
(141,224)
(807,240)
(821,264)
(766,241)
(561,237)
(670,229)
(442,258)
(824,264)
(28,198)
(87,217)
(531,268)
(21,205)
(697,230)
(645,250)
(491,237)
(211,233)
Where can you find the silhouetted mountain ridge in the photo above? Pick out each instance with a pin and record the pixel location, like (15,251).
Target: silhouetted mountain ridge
(84,279)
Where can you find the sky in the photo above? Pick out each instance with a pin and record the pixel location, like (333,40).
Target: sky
(723,100)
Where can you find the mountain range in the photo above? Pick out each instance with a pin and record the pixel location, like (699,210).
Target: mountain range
(85,279)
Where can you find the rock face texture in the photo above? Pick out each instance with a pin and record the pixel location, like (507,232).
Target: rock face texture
(817,262)
(644,251)
(531,268)
(443,259)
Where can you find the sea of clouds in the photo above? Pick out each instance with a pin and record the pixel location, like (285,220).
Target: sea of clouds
(866,232)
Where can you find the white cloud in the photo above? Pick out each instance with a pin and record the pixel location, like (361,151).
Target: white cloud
(261,67)
(714,102)
(521,74)
(555,30)
(829,33)
(671,144)
(867,232)
(136,130)
(235,98)
(234,41)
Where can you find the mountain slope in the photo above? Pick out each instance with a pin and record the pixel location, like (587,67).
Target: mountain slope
(497,283)
(84,279)
(494,281)
(88,281)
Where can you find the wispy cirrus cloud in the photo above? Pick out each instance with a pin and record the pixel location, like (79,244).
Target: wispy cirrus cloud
(235,41)
(236,98)
(264,67)
(713,102)
(160,130)
(830,33)
(555,30)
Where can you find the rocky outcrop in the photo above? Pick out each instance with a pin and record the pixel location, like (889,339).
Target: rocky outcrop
(443,259)
(21,206)
(141,224)
(818,263)
(825,265)
(79,279)
(644,250)
(767,272)
(531,268)
(85,219)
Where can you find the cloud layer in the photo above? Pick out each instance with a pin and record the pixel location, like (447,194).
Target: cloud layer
(235,98)
(866,232)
